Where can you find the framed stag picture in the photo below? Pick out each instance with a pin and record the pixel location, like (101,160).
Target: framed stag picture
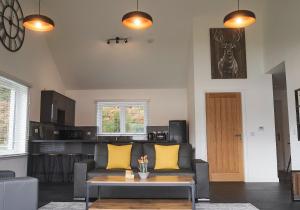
(228,53)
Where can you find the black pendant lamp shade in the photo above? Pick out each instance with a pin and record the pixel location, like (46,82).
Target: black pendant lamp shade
(239,18)
(137,19)
(38,22)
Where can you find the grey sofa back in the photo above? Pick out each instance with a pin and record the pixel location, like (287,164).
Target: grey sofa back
(101,154)
(139,149)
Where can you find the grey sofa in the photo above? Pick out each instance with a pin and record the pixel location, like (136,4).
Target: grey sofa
(90,168)
(18,193)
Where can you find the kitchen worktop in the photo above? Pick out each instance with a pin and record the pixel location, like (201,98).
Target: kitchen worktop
(95,141)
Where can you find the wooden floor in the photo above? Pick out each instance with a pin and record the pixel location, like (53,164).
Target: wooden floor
(265,196)
(128,204)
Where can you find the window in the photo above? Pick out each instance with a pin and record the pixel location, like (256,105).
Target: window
(13,117)
(121,118)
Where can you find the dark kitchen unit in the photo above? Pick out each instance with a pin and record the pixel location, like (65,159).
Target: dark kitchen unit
(178,131)
(57,108)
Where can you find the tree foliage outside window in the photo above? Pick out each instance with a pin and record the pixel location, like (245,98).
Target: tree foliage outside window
(135,119)
(5,103)
(110,119)
(121,118)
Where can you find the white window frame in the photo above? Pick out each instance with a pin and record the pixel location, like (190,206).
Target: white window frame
(122,105)
(17,141)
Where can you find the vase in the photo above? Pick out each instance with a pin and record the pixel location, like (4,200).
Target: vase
(143,176)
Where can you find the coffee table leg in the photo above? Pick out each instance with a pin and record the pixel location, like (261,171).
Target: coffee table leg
(99,192)
(193,197)
(87,197)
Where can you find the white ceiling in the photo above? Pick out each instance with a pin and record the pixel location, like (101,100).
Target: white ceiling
(154,58)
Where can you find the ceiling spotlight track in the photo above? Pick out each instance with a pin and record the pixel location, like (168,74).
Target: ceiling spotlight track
(38,22)
(117,40)
(137,19)
(239,18)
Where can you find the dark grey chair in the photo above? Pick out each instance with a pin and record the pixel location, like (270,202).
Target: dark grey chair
(18,193)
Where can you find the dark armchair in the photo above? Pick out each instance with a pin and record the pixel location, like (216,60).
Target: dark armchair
(18,193)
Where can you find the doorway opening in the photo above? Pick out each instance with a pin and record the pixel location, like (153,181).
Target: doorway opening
(281,122)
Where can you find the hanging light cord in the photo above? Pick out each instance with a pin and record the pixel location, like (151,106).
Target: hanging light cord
(137,5)
(238,5)
(39,7)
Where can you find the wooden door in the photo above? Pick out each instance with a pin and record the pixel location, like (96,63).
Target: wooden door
(224,137)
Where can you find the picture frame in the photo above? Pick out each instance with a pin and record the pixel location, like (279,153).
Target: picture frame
(228,53)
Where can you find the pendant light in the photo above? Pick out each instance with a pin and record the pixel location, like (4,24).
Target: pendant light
(137,19)
(239,18)
(38,22)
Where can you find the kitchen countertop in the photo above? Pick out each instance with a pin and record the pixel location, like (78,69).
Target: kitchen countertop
(93,141)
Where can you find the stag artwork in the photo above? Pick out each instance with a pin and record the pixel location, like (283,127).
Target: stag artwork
(228,54)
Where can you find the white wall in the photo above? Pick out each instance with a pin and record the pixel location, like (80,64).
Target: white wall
(164,104)
(282,44)
(259,146)
(191,96)
(32,64)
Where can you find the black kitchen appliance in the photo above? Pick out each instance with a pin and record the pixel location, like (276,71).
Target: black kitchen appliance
(161,136)
(178,131)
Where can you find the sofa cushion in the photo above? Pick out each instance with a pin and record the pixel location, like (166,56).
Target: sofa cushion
(136,153)
(101,155)
(172,172)
(105,172)
(169,161)
(119,156)
(185,156)
(148,149)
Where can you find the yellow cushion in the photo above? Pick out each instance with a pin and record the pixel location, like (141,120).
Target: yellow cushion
(166,157)
(119,156)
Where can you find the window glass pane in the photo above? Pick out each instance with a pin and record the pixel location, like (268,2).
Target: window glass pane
(135,119)
(5,107)
(111,119)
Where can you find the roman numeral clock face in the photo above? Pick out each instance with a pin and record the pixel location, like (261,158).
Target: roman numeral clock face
(12,31)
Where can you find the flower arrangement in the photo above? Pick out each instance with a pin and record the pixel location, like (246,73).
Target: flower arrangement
(143,164)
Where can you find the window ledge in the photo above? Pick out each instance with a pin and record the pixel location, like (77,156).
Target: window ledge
(5,156)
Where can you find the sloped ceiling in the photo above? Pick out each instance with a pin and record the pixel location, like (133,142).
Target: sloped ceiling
(153,58)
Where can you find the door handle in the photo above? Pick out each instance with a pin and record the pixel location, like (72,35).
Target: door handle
(52,110)
(238,135)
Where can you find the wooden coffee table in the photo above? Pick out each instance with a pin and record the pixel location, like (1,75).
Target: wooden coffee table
(152,181)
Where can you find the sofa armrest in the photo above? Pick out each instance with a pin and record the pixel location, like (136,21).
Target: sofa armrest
(80,175)
(23,190)
(201,168)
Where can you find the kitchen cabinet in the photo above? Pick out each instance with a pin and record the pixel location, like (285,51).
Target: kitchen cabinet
(57,108)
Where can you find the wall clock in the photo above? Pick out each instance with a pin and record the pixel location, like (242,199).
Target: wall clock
(12,31)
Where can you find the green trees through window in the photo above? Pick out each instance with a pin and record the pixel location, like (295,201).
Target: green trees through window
(111,119)
(134,119)
(121,118)
(5,103)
